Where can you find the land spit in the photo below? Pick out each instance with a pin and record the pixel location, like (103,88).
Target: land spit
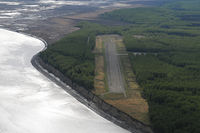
(88,98)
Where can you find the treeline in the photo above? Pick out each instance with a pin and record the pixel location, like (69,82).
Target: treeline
(73,55)
(155,41)
(140,15)
(172,91)
(154,73)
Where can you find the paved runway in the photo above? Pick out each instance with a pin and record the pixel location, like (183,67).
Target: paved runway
(115,78)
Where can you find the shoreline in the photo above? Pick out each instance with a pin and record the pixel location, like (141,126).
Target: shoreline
(87,98)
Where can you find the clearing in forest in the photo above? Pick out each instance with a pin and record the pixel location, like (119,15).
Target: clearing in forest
(114,79)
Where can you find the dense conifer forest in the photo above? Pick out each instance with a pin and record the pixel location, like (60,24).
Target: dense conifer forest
(164,48)
(73,55)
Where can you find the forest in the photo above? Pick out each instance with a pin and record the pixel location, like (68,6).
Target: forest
(73,54)
(163,44)
(73,57)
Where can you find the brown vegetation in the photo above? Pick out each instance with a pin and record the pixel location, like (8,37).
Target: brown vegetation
(133,104)
(99,80)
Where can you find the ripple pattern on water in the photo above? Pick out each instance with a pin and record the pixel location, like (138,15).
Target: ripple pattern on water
(31,103)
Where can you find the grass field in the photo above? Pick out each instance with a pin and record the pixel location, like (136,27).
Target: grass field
(99,80)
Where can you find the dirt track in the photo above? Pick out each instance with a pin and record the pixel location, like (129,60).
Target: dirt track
(114,74)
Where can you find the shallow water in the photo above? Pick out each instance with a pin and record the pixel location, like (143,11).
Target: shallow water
(19,15)
(31,103)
